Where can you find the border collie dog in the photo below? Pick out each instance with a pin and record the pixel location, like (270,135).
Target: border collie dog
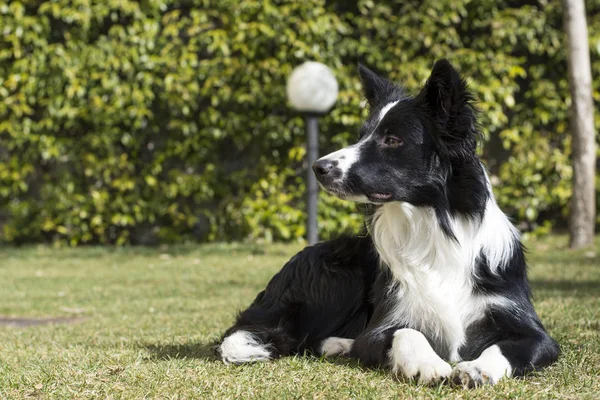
(441,276)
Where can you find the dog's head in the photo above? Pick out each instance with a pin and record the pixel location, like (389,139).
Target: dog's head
(413,149)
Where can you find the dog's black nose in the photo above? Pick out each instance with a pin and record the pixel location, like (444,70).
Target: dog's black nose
(323,167)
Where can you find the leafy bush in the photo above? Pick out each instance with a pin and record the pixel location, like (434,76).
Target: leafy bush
(141,122)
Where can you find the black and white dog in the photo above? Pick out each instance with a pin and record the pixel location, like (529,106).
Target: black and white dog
(441,276)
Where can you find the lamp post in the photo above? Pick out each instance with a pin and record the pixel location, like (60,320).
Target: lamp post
(312,89)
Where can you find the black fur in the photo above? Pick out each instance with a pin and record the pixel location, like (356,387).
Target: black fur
(338,289)
(322,291)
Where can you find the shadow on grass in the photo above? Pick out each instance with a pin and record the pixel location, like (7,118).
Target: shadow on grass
(204,351)
(208,352)
(567,288)
(345,361)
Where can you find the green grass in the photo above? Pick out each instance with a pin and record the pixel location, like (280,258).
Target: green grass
(150,315)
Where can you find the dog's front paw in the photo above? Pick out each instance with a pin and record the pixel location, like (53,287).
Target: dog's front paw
(412,356)
(470,375)
(335,346)
(488,369)
(427,371)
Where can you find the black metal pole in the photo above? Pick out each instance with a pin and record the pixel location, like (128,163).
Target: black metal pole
(312,153)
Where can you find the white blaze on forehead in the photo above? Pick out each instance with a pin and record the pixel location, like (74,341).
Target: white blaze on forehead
(387,108)
(344,157)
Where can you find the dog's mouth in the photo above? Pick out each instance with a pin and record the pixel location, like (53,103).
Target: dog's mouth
(366,198)
(373,197)
(379,197)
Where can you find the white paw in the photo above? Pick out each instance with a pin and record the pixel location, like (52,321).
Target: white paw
(426,371)
(470,375)
(413,357)
(243,347)
(334,346)
(488,369)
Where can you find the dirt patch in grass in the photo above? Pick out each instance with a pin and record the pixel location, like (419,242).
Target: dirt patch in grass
(21,322)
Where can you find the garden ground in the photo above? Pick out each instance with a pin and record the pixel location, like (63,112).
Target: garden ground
(138,322)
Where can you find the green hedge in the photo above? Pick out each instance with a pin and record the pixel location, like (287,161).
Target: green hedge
(155,121)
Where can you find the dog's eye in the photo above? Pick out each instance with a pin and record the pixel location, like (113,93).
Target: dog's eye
(393,141)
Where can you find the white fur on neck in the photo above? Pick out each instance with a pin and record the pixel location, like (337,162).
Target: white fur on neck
(434,273)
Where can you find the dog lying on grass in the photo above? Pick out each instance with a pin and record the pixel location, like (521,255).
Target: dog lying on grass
(441,276)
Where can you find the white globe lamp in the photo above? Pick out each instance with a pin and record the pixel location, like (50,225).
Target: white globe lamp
(312,88)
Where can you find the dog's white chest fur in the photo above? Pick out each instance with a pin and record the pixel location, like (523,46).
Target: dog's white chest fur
(433,273)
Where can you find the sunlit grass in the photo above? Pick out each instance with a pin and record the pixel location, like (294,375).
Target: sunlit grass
(147,318)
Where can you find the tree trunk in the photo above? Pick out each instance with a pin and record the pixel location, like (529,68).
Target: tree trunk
(583,202)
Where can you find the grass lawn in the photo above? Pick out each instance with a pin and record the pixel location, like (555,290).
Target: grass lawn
(143,320)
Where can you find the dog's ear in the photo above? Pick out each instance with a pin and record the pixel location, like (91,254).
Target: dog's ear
(449,100)
(445,92)
(375,88)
